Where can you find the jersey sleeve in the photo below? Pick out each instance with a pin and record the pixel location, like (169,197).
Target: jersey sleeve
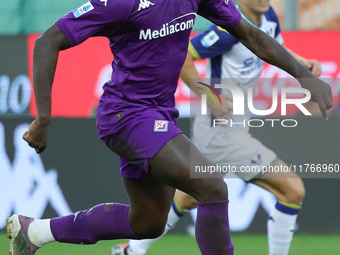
(221,12)
(94,18)
(212,42)
(271,15)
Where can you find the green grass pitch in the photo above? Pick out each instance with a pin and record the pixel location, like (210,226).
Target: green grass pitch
(245,244)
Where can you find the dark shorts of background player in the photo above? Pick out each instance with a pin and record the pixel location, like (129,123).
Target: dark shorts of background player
(128,129)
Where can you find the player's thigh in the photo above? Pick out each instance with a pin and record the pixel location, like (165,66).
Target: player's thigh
(172,164)
(287,186)
(150,202)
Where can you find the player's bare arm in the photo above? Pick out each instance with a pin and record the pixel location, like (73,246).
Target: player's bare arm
(189,72)
(46,51)
(271,52)
(313,65)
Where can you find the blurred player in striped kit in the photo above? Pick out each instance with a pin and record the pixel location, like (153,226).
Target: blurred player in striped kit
(228,58)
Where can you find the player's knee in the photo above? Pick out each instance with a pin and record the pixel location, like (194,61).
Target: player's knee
(214,191)
(220,191)
(155,232)
(190,204)
(296,193)
(148,231)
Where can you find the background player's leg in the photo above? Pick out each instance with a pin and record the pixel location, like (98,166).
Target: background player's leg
(289,190)
(184,201)
(171,164)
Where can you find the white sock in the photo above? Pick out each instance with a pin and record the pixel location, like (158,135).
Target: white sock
(140,247)
(39,232)
(281,226)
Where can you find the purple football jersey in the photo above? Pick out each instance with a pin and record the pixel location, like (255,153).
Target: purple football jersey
(149,41)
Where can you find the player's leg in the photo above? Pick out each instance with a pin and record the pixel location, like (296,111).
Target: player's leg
(184,202)
(288,188)
(101,222)
(148,196)
(181,203)
(172,165)
(150,201)
(143,211)
(244,150)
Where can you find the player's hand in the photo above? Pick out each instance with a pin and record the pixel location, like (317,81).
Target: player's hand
(321,93)
(314,66)
(221,111)
(36,136)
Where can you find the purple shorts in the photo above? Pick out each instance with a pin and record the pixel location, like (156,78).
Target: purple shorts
(135,132)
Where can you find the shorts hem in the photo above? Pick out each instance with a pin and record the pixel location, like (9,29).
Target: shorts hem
(145,168)
(258,176)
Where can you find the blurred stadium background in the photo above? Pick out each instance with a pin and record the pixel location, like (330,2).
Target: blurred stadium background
(67,178)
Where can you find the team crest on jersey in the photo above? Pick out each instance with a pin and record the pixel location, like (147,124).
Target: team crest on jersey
(161,126)
(209,39)
(144,4)
(83,9)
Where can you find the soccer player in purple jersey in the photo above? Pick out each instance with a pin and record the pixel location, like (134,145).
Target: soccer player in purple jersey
(136,119)
(234,146)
